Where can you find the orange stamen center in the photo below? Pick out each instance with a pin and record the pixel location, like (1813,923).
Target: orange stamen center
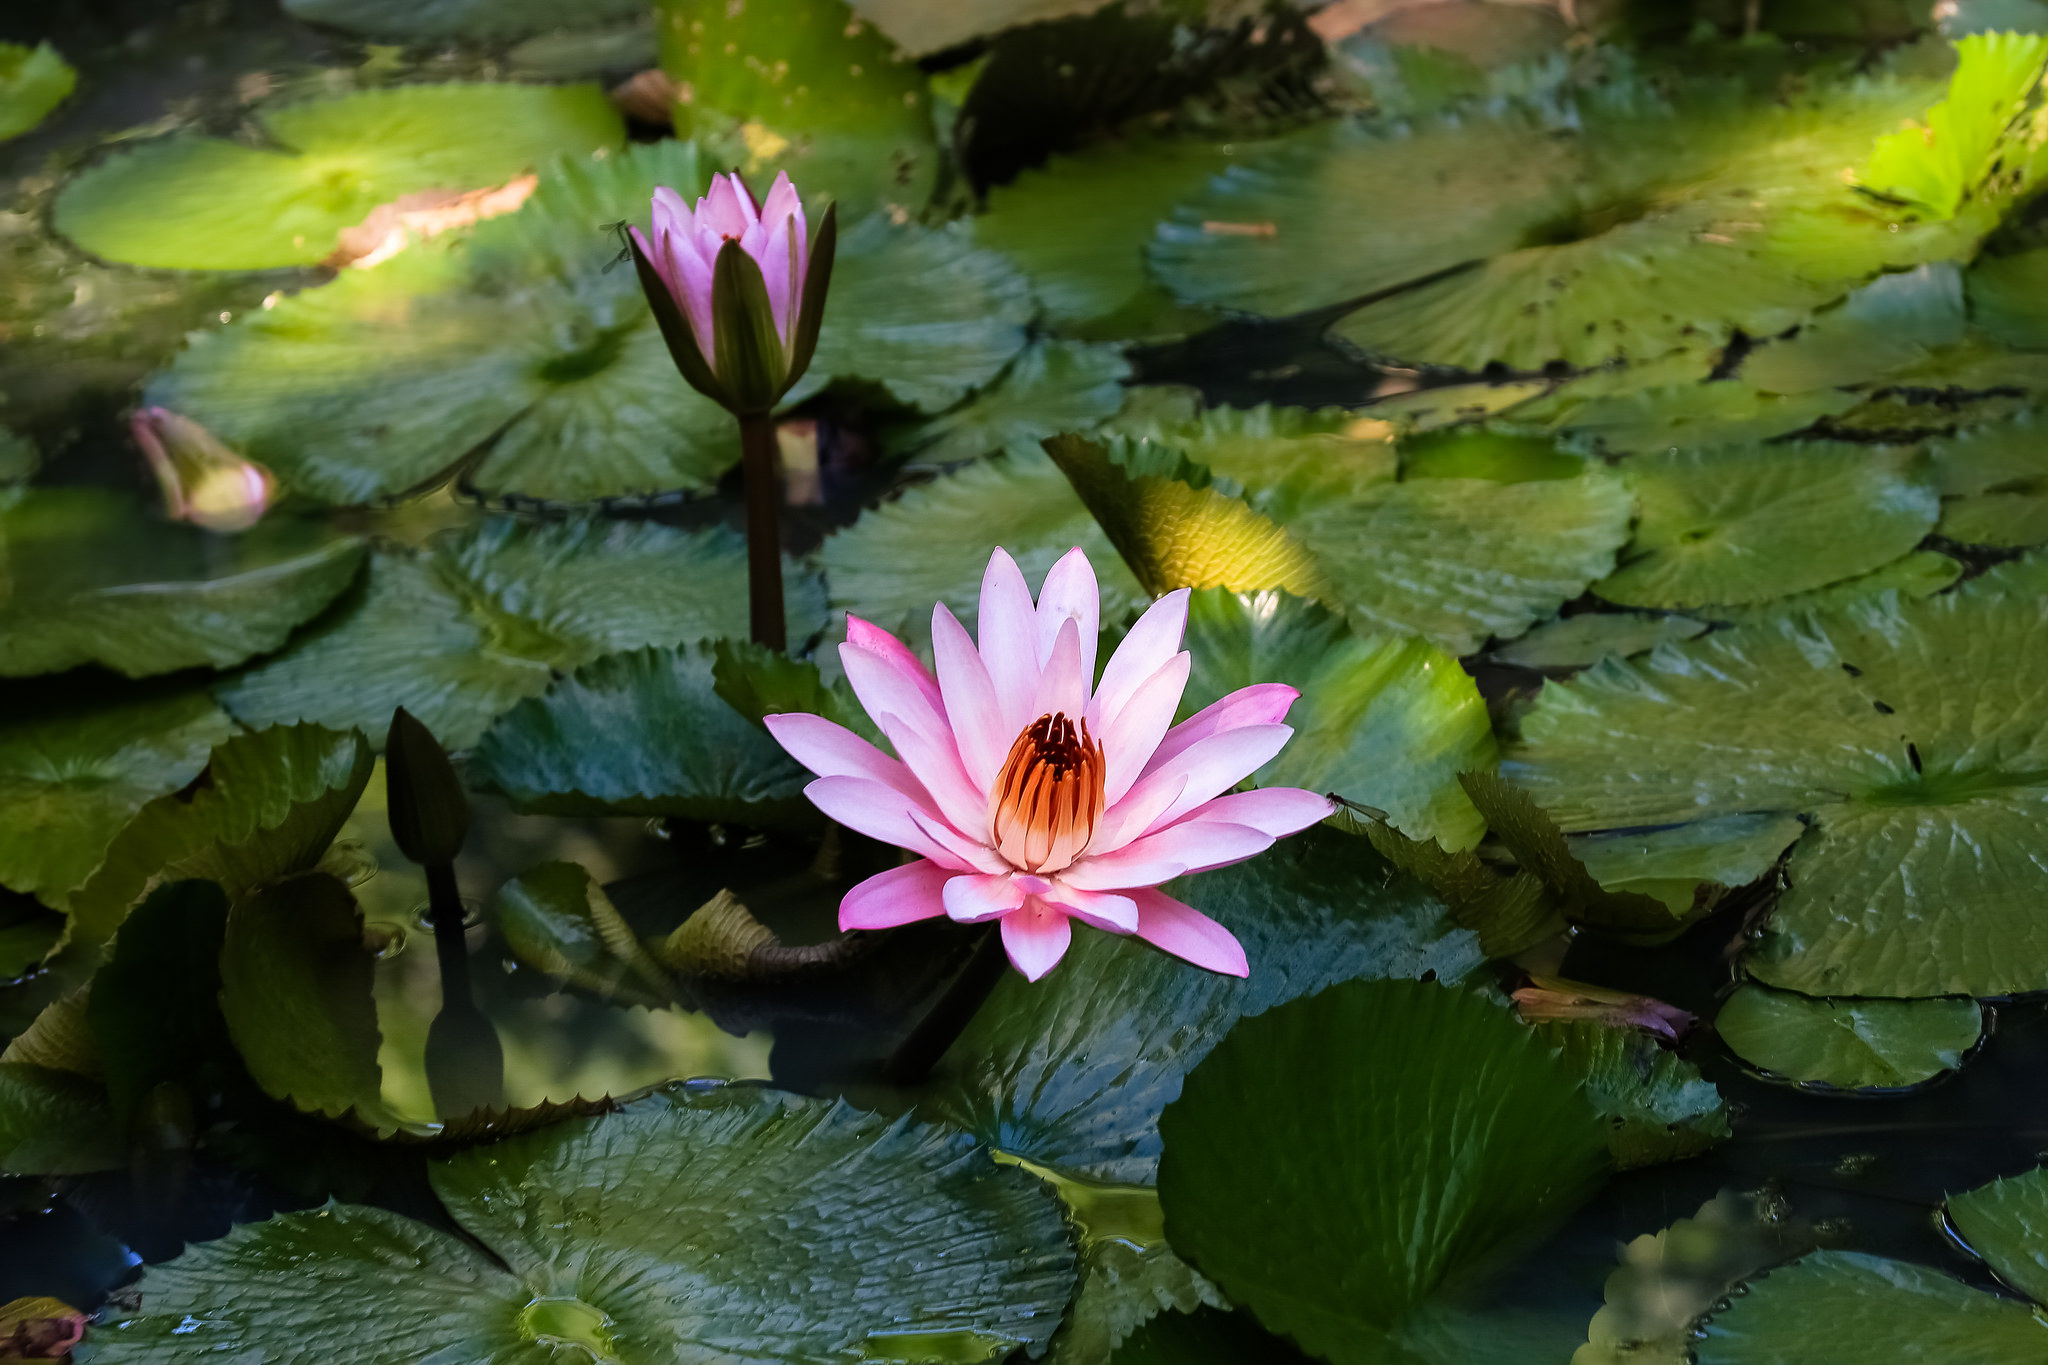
(1048,796)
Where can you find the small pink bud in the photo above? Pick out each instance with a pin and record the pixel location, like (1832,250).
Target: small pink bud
(1552,998)
(203,481)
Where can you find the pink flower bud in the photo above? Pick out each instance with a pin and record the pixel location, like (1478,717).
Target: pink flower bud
(203,481)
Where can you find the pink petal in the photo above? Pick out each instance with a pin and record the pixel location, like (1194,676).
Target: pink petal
(1278,811)
(1069,594)
(669,210)
(729,209)
(1137,812)
(1188,934)
(935,763)
(831,750)
(968,852)
(972,899)
(969,699)
(1213,766)
(1063,687)
(898,896)
(880,812)
(1132,735)
(1155,639)
(1259,704)
(1173,852)
(773,259)
(872,639)
(1104,910)
(1008,636)
(785,206)
(689,283)
(1036,937)
(904,701)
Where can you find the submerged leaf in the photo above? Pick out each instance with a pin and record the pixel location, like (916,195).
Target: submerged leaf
(1849,1044)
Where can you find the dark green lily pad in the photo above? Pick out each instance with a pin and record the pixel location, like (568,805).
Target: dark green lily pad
(1847,1308)
(1920,574)
(1072,1071)
(474,20)
(1577,641)
(75,768)
(268,805)
(1386,720)
(2006,297)
(1754,523)
(931,543)
(87,577)
(33,81)
(1670,864)
(1902,728)
(55,1123)
(1052,386)
(1336,1212)
(461,631)
(1896,322)
(1656,1104)
(200,203)
(1994,485)
(1849,1044)
(154,1011)
(640,733)
(806,87)
(795,1230)
(2006,1224)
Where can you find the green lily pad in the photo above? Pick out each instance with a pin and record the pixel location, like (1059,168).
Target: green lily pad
(2006,297)
(1920,574)
(1894,323)
(2006,1224)
(1891,724)
(1386,720)
(1337,1211)
(1656,1104)
(640,733)
(1072,1072)
(931,543)
(1670,864)
(1754,523)
(28,931)
(1589,637)
(154,1012)
(33,81)
(922,27)
(475,20)
(1935,166)
(1052,386)
(1093,283)
(806,87)
(1284,459)
(556,918)
(461,631)
(1207,1336)
(795,1230)
(1637,227)
(1848,1044)
(87,577)
(76,766)
(1994,485)
(1847,1308)
(267,805)
(201,203)
(55,1123)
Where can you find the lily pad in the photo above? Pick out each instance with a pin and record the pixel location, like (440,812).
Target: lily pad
(87,577)
(1670,864)
(922,27)
(1933,167)
(1847,1308)
(1902,728)
(461,631)
(75,767)
(267,805)
(1337,1211)
(1577,641)
(1920,574)
(1656,1104)
(1284,459)
(931,543)
(1754,523)
(806,87)
(556,918)
(200,203)
(1052,386)
(154,1012)
(1386,720)
(1072,1072)
(54,1123)
(1994,485)
(796,1230)
(2006,1224)
(640,733)
(2007,297)
(474,20)
(1848,1044)
(33,81)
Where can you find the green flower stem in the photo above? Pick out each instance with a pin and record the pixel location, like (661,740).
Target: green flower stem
(465,1059)
(764,531)
(921,1049)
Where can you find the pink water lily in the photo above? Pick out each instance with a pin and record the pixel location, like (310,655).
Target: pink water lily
(202,481)
(1032,799)
(686,242)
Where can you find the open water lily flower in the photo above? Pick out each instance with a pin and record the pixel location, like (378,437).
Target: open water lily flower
(738,288)
(1034,800)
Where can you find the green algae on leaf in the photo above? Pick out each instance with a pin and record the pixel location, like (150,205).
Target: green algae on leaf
(87,576)
(1848,1044)
(1337,1212)
(1906,730)
(188,202)
(640,733)
(1759,522)
(796,1229)
(1072,1072)
(1386,720)
(461,631)
(33,81)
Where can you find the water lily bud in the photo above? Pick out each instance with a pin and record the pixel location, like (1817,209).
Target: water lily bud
(203,481)
(428,809)
(1548,998)
(737,288)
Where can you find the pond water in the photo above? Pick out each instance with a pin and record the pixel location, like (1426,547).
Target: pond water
(1614,420)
